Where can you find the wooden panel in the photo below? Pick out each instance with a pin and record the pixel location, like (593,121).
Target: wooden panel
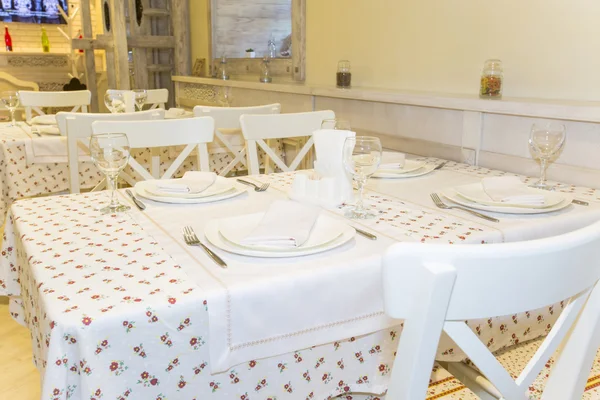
(154,42)
(120,48)
(180,10)
(253,66)
(90,59)
(299,39)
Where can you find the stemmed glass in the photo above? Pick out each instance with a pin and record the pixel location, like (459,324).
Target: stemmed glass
(10,100)
(110,153)
(114,101)
(141,96)
(546,141)
(336,123)
(362,156)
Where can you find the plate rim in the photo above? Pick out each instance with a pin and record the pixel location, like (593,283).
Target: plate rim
(500,204)
(198,200)
(423,165)
(506,209)
(223,180)
(427,169)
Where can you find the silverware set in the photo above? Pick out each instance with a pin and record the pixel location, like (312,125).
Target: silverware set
(257,188)
(440,204)
(190,238)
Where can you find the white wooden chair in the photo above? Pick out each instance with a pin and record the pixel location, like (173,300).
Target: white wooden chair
(194,133)
(438,287)
(77,127)
(10,82)
(34,101)
(227,124)
(257,128)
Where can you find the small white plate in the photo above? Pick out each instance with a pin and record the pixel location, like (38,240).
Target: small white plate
(318,244)
(475,193)
(220,186)
(409,166)
(235,190)
(419,172)
(451,195)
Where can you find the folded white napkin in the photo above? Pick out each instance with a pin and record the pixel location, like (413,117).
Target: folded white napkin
(175,113)
(46,129)
(510,189)
(285,224)
(44,120)
(193,182)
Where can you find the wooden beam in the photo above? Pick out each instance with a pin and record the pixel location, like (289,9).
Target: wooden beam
(160,67)
(90,58)
(180,18)
(101,42)
(152,42)
(156,12)
(140,55)
(298,39)
(120,48)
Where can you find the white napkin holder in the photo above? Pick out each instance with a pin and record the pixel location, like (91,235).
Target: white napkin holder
(329,185)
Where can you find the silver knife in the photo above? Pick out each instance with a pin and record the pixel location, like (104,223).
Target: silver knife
(580,202)
(138,203)
(365,233)
(440,165)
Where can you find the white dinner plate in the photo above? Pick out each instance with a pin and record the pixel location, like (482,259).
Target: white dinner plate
(409,166)
(236,190)
(419,172)
(327,234)
(220,186)
(453,196)
(475,193)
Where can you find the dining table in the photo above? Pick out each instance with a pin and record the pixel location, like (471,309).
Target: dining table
(35,164)
(119,306)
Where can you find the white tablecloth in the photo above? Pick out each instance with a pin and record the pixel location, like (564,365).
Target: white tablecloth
(97,288)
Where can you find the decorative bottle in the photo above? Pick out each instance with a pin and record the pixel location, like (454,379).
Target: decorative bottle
(272,49)
(491,80)
(7,39)
(45,41)
(223,72)
(80,36)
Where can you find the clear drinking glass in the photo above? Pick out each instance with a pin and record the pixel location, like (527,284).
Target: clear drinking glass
(110,153)
(546,141)
(141,96)
(114,101)
(362,156)
(336,123)
(10,100)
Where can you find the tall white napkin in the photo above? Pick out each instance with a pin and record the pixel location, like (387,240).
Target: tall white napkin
(46,129)
(49,119)
(285,224)
(193,182)
(510,189)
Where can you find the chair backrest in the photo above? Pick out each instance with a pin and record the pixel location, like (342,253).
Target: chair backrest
(9,82)
(257,128)
(227,122)
(438,287)
(77,127)
(157,98)
(194,133)
(34,101)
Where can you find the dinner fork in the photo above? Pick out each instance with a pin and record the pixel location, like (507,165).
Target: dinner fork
(257,188)
(190,238)
(440,204)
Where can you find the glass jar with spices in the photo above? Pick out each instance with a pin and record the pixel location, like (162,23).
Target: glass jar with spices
(343,76)
(491,80)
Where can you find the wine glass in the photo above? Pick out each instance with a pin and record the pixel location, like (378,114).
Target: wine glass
(10,100)
(362,156)
(546,141)
(140,96)
(110,153)
(114,101)
(336,123)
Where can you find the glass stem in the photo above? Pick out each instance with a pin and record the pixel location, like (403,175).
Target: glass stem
(12,117)
(112,181)
(543,167)
(360,181)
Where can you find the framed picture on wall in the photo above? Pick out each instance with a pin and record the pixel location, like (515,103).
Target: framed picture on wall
(198,69)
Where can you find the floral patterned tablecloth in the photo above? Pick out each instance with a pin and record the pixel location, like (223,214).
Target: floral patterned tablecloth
(113,315)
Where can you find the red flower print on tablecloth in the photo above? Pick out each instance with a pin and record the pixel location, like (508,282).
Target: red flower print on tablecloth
(97,394)
(84,367)
(297,357)
(340,364)
(342,387)
(166,340)
(152,317)
(101,346)
(282,367)
(198,368)
(261,385)
(384,369)
(128,325)
(362,379)
(147,380)
(233,377)
(139,350)
(62,362)
(86,320)
(306,376)
(174,363)
(319,362)
(252,364)
(196,342)
(181,384)
(326,378)
(375,349)
(288,387)
(117,367)
(214,386)
(184,324)
(359,357)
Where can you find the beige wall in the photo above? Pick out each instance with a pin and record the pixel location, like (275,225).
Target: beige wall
(550,48)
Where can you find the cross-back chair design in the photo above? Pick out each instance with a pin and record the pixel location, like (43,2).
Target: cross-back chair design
(227,123)
(77,127)
(193,133)
(437,288)
(258,128)
(34,101)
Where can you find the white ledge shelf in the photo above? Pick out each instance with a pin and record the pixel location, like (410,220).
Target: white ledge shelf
(568,110)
